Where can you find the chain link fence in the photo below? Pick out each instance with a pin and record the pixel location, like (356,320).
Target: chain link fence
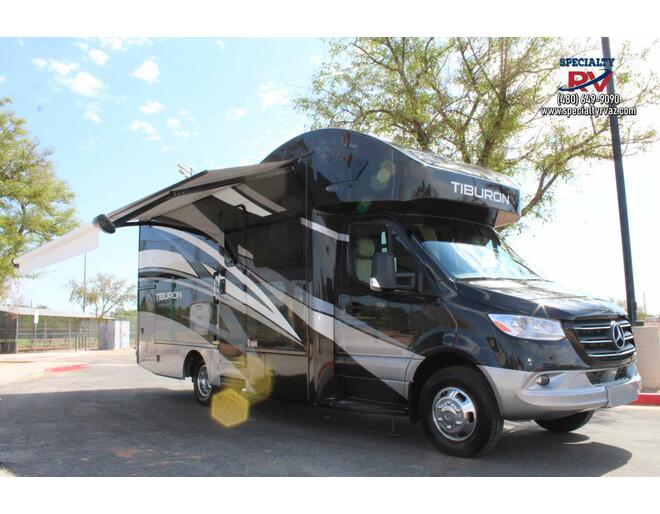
(19,333)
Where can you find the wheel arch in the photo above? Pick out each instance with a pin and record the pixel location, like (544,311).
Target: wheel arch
(441,358)
(190,362)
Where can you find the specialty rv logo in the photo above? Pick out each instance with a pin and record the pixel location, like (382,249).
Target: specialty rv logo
(484,193)
(171,295)
(585,92)
(582,79)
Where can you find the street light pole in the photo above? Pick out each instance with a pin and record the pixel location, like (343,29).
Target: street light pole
(84,299)
(621,193)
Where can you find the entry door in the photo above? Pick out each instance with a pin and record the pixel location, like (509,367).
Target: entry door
(373,330)
(146,325)
(230,290)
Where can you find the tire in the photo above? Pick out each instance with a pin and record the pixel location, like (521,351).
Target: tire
(566,424)
(460,393)
(202,388)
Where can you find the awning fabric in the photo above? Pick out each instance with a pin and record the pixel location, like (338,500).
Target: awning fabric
(188,191)
(161,204)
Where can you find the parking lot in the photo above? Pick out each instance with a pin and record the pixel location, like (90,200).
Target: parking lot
(110,417)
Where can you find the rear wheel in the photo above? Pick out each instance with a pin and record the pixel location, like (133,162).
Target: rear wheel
(566,424)
(459,412)
(201,384)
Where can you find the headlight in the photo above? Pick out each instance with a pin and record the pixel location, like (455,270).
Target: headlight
(527,327)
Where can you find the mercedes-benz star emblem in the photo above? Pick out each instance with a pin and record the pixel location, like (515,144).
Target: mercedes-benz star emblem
(617,335)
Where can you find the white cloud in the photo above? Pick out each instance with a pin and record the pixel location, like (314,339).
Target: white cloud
(151,107)
(3,79)
(82,82)
(187,116)
(145,128)
(62,68)
(235,113)
(220,44)
(175,126)
(117,43)
(92,116)
(147,71)
(40,62)
(93,112)
(271,95)
(95,55)
(98,56)
(315,59)
(113,43)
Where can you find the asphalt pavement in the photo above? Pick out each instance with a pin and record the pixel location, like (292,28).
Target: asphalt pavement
(113,418)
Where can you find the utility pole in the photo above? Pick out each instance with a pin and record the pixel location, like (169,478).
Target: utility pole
(621,193)
(84,282)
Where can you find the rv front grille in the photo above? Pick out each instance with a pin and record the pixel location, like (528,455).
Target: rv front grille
(604,340)
(607,375)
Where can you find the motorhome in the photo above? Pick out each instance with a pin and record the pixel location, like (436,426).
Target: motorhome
(355,274)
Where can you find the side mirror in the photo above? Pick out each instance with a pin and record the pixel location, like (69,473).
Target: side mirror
(383,277)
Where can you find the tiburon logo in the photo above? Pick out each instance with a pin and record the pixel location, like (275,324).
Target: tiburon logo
(481,192)
(171,295)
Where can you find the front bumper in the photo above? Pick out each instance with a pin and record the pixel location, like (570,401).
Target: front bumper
(568,392)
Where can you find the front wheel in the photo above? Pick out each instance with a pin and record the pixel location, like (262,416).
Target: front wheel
(202,385)
(459,412)
(566,424)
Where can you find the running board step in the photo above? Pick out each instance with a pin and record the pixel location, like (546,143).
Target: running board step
(367,407)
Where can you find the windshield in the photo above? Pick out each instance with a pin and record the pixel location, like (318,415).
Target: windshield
(469,250)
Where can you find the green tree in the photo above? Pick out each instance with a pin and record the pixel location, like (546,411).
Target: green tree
(476,100)
(104,291)
(35,206)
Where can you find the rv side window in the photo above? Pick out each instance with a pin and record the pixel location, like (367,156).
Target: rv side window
(277,245)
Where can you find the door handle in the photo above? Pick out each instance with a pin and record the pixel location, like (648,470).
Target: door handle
(219,286)
(354,308)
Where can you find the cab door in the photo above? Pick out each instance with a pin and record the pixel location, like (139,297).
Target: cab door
(373,329)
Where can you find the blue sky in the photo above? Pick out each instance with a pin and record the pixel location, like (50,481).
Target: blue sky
(120,114)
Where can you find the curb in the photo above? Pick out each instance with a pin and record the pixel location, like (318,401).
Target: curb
(61,369)
(647,399)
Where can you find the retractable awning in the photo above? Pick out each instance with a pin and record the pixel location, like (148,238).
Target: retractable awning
(173,203)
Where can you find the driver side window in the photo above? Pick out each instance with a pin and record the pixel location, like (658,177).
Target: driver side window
(367,239)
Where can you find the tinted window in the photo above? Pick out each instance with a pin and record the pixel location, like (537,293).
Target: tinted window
(403,259)
(366,240)
(370,238)
(276,245)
